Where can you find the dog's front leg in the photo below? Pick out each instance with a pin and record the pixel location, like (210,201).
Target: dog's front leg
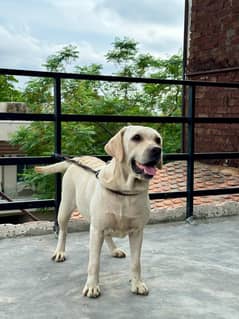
(92,288)
(137,285)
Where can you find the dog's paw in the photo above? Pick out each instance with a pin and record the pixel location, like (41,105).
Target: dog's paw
(118,253)
(91,291)
(59,256)
(139,288)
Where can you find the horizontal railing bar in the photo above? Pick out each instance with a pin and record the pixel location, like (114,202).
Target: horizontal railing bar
(110,78)
(167,195)
(26,117)
(213,71)
(142,119)
(27,204)
(196,193)
(91,118)
(216,191)
(152,196)
(167,157)
(27,160)
(207,120)
(112,118)
(201,156)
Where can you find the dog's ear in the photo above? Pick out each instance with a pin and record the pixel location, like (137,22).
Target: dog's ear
(115,147)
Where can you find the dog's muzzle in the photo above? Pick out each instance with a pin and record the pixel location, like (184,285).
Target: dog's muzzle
(148,168)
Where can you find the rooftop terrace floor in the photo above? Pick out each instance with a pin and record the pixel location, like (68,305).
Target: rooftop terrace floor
(192,271)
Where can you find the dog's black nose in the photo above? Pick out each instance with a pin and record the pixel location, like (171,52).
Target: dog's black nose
(156,152)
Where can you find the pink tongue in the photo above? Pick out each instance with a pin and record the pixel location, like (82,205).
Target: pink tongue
(147,169)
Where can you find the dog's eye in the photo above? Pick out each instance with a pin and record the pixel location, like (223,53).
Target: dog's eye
(137,138)
(158,140)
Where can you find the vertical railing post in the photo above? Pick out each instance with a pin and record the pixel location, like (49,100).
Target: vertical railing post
(57,113)
(190,144)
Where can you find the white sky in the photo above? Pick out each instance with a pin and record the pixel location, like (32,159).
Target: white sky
(31,30)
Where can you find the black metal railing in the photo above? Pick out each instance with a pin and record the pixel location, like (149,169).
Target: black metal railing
(57,118)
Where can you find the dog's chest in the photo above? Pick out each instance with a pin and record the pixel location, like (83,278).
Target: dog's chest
(124,217)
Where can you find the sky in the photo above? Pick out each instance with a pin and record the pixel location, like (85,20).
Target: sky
(31,30)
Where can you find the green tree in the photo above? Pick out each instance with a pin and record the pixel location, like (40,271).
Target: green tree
(58,61)
(98,97)
(147,99)
(37,139)
(8,92)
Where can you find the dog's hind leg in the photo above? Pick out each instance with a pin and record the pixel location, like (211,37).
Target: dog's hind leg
(114,250)
(67,205)
(63,218)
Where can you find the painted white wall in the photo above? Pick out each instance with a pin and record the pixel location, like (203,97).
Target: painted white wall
(7,128)
(8,174)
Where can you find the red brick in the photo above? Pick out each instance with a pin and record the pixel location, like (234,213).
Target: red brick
(215,44)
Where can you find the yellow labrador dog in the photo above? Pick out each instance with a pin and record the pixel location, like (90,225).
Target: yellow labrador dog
(115,201)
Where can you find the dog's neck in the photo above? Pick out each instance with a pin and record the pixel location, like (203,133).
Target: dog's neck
(115,176)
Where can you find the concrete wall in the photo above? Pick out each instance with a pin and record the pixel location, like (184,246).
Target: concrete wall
(9,127)
(213,55)
(8,174)
(8,180)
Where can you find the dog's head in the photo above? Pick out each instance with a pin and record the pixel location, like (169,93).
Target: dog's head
(139,148)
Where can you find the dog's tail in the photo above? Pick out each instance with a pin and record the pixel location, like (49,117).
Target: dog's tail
(87,162)
(54,168)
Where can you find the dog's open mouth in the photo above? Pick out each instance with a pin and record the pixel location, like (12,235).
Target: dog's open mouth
(148,170)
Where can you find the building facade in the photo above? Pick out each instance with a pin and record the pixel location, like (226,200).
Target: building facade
(213,55)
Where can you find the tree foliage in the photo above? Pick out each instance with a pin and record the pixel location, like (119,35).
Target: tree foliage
(98,97)
(8,92)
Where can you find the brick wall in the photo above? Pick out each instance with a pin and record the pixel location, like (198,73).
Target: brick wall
(213,55)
